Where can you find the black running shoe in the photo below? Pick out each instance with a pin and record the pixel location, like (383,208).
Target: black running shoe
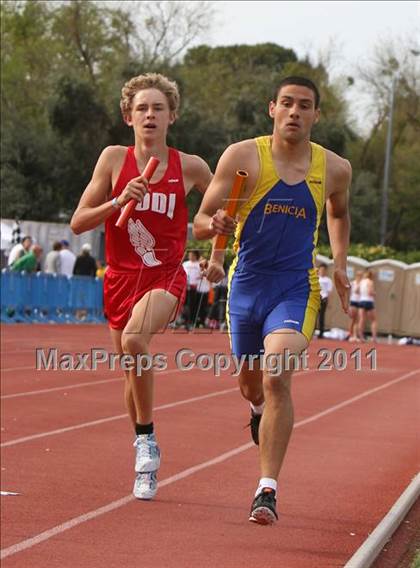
(263,509)
(254,423)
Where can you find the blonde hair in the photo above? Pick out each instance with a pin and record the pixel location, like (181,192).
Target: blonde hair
(149,81)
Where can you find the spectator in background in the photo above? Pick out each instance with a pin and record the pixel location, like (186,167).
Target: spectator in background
(29,261)
(85,264)
(52,263)
(367,305)
(67,258)
(19,250)
(326,288)
(100,269)
(203,289)
(193,271)
(354,307)
(217,313)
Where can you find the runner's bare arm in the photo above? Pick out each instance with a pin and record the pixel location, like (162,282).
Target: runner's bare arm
(95,205)
(197,173)
(338,222)
(211,220)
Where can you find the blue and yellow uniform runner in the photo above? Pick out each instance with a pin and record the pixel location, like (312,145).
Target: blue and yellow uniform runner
(273,282)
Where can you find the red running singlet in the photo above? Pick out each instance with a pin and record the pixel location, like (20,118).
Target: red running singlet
(147,254)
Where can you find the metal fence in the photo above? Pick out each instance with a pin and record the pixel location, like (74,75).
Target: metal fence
(50,298)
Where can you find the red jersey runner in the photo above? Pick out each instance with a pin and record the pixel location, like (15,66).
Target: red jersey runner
(147,254)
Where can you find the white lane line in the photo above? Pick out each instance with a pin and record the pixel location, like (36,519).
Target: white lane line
(46,535)
(91,383)
(7,352)
(18,369)
(33,367)
(78,385)
(363,395)
(372,546)
(54,389)
(112,418)
(119,416)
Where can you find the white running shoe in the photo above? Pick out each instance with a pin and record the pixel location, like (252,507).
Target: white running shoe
(145,485)
(147,453)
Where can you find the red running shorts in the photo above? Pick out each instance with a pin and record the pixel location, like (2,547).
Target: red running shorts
(122,290)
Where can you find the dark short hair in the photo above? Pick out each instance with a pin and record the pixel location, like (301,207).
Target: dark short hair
(302,82)
(322,265)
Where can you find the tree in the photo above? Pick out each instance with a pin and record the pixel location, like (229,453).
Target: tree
(28,53)
(64,63)
(226,92)
(164,30)
(81,123)
(27,180)
(94,44)
(63,66)
(399,59)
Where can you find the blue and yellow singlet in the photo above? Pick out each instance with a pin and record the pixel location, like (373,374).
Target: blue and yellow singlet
(275,244)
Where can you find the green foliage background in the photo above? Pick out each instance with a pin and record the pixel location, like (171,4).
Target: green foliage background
(63,66)
(366,252)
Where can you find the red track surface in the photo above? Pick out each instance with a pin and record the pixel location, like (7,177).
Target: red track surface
(344,468)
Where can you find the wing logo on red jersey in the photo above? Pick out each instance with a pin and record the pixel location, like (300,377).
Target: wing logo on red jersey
(143,242)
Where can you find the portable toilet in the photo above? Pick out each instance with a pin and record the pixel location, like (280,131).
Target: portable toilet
(354,264)
(389,278)
(409,308)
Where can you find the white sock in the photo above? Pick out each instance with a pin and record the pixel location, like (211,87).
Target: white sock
(257,409)
(266,482)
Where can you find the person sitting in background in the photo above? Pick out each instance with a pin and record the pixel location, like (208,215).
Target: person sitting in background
(354,307)
(100,269)
(19,250)
(67,258)
(52,263)
(85,264)
(367,305)
(29,261)
(326,288)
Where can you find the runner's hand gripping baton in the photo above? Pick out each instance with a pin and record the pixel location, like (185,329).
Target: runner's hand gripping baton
(220,241)
(215,272)
(128,209)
